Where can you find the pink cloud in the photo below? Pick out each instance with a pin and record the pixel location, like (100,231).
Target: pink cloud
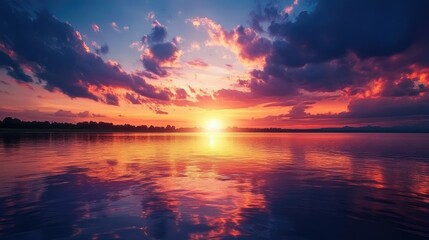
(198,63)
(70,114)
(290,8)
(150,15)
(248,44)
(181,93)
(95,27)
(115,26)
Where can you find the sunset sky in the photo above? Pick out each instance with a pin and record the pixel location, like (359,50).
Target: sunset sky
(291,63)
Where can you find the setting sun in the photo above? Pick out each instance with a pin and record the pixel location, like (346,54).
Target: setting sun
(213,125)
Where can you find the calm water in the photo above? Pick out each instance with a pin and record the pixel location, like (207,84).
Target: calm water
(219,186)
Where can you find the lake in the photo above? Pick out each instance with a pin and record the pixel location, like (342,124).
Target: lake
(214,185)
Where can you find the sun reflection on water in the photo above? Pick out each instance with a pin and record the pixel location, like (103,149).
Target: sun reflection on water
(212,140)
(208,185)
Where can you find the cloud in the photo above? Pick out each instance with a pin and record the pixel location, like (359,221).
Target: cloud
(102,50)
(368,52)
(158,34)
(133,98)
(27,114)
(245,42)
(323,77)
(286,103)
(408,111)
(333,28)
(159,53)
(403,87)
(150,16)
(13,68)
(60,59)
(115,26)
(164,52)
(333,48)
(95,27)
(181,93)
(328,50)
(198,63)
(260,15)
(111,99)
(290,8)
(161,112)
(153,66)
(62,113)
(387,108)
(298,111)
(156,109)
(70,114)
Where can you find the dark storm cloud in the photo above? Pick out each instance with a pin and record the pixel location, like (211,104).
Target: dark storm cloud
(405,87)
(368,28)
(160,51)
(55,54)
(327,77)
(377,52)
(346,44)
(13,68)
(387,107)
(269,13)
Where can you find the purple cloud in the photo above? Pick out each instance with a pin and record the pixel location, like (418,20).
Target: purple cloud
(60,58)
(160,52)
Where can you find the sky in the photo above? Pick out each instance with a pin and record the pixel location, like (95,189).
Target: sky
(290,63)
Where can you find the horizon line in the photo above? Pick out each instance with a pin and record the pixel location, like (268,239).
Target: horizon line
(10,124)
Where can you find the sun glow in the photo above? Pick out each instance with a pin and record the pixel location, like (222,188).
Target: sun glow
(213,125)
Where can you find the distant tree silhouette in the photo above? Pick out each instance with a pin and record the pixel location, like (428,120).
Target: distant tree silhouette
(15,123)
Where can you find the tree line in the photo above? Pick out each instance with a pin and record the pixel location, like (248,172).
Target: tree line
(15,123)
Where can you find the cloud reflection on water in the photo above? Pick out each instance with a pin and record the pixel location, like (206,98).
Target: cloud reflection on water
(213,185)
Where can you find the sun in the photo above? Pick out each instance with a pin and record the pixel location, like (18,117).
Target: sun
(213,125)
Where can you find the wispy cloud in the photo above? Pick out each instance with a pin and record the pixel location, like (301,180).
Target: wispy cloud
(95,27)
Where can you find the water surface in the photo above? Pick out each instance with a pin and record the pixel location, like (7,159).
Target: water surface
(219,186)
